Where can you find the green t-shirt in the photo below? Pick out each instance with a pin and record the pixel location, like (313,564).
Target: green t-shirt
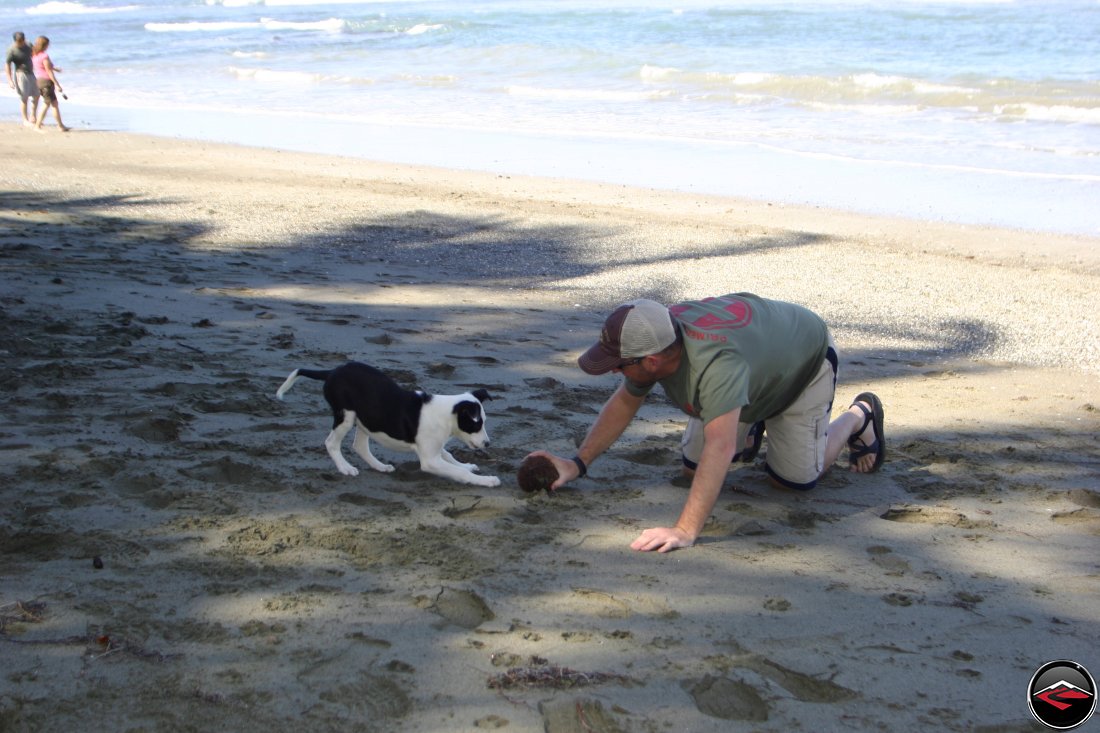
(741,350)
(21,57)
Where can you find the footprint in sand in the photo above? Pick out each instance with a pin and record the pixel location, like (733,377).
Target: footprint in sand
(462,608)
(478,359)
(47,545)
(802,686)
(584,401)
(369,697)
(471,507)
(883,557)
(913,514)
(1084,497)
(330,321)
(777,604)
(441,369)
(267,538)
(284,340)
(157,429)
(1084,518)
(721,697)
(491,722)
(377,507)
(543,383)
(898,599)
(752,528)
(226,471)
(656,456)
(577,716)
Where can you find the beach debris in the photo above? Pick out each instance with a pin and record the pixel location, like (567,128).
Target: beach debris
(540,674)
(21,612)
(97,562)
(97,645)
(104,645)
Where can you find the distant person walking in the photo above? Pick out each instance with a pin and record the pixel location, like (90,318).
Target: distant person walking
(20,71)
(48,85)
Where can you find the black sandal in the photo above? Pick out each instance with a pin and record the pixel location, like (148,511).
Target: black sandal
(875,417)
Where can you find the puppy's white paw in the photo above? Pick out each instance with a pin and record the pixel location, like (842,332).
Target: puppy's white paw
(471,467)
(348,470)
(488,481)
(385,468)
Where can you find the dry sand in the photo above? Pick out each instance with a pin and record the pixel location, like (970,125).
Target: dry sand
(155,293)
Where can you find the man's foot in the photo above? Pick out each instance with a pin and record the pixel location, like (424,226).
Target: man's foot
(868,443)
(63,128)
(752,443)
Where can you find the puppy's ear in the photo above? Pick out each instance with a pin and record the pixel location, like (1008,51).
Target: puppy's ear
(482,395)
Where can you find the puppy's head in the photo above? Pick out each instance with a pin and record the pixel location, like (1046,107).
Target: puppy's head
(469,424)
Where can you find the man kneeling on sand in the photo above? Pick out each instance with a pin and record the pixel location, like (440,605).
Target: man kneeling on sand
(739,365)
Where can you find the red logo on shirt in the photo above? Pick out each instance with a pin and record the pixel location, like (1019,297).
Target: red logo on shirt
(739,316)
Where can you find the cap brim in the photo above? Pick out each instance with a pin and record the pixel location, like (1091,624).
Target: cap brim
(597,360)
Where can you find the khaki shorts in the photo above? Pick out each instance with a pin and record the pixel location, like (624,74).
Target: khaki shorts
(796,437)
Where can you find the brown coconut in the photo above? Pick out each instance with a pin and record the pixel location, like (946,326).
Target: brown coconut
(536,473)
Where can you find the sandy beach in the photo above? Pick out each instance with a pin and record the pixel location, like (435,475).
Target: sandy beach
(178,552)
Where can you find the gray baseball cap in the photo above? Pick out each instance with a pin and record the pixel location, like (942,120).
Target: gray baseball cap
(634,329)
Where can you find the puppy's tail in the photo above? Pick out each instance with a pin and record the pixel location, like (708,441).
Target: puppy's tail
(298,374)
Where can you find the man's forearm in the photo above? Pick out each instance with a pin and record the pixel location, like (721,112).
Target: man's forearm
(615,415)
(719,446)
(705,488)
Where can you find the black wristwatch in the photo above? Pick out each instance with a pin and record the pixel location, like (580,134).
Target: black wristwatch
(580,467)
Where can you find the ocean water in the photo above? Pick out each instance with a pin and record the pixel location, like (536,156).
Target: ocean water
(975,112)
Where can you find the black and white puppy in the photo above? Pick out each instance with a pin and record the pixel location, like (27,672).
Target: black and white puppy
(365,398)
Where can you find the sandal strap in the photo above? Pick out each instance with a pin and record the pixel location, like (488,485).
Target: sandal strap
(857,452)
(868,415)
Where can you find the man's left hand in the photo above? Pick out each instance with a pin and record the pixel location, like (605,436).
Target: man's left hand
(661,539)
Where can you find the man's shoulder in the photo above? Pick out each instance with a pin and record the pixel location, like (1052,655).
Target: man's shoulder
(714,321)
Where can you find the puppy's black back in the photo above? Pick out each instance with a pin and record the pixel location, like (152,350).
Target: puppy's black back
(377,401)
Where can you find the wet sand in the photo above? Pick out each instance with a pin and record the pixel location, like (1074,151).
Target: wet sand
(178,552)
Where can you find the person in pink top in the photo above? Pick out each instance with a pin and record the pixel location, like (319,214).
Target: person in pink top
(48,85)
